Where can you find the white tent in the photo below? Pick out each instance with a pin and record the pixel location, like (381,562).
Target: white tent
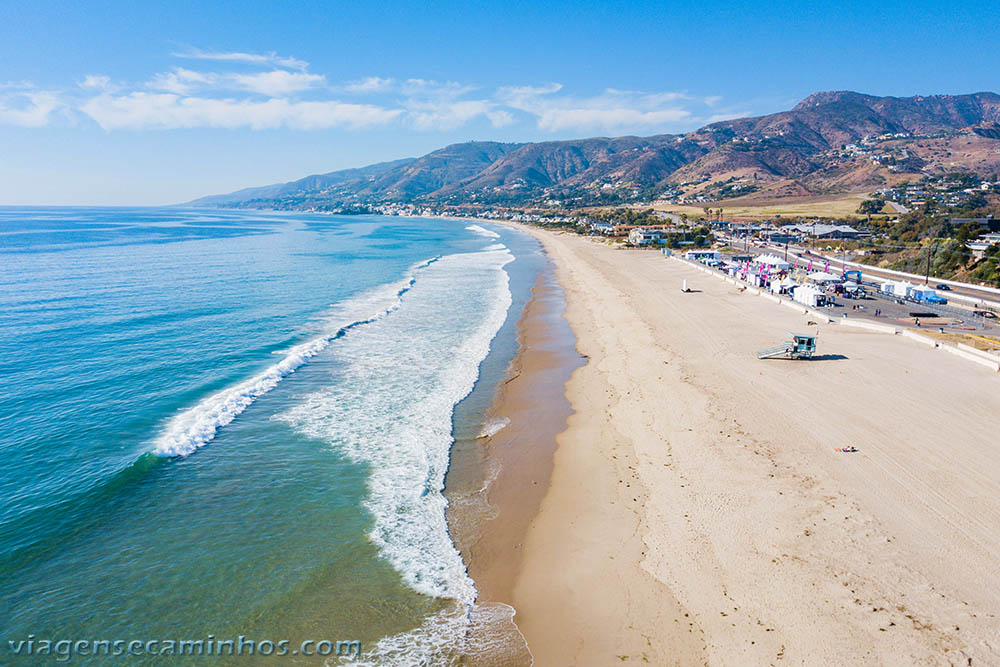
(897,288)
(772,261)
(824,277)
(809,295)
(785,284)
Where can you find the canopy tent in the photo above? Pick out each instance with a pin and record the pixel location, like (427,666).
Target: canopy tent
(772,261)
(898,288)
(824,277)
(782,285)
(809,295)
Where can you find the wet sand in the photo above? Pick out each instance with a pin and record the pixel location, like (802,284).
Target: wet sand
(533,399)
(497,483)
(699,509)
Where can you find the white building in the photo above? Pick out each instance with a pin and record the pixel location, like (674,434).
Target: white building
(701,255)
(641,237)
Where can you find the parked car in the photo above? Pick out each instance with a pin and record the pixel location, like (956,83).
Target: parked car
(988,314)
(942,286)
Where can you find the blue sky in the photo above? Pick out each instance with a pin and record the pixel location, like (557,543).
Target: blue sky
(160,102)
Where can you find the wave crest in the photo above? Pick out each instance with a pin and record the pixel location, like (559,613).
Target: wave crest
(198,425)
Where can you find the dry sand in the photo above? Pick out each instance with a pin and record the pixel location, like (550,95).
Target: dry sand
(699,511)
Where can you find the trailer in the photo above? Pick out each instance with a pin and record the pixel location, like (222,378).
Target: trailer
(799,346)
(926,295)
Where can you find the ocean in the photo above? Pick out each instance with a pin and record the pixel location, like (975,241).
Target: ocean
(224,424)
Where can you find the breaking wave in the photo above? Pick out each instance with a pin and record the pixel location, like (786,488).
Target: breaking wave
(391,408)
(197,426)
(482,231)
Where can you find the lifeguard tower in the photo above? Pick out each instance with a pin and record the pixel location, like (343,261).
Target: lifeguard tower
(799,346)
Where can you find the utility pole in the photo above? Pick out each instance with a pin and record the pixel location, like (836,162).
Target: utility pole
(786,249)
(927,274)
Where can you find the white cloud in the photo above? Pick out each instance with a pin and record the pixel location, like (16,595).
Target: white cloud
(452,114)
(431,88)
(182,81)
(251,58)
(28,108)
(277,83)
(718,117)
(141,110)
(556,120)
(613,109)
(280,92)
(500,118)
(96,82)
(525,97)
(370,84)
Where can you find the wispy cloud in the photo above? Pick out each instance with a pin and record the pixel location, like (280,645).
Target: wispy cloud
(271,58)
(443,105)
(181,81)
(719,117)
(432,88)
(611,110)
(97,82)
(24,106)
(273,83)
(370,84)
(235,89)
(140,110)
(451,114)
(277,83)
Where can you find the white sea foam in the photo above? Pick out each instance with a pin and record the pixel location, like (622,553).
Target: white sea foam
(493,426)
(398,381)
(197,426)
(480,634)
(482,231)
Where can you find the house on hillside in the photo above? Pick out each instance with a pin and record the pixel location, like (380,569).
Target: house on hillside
(982,244)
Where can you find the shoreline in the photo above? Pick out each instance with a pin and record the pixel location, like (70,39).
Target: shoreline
(532,398)
(499,479)
(699,511)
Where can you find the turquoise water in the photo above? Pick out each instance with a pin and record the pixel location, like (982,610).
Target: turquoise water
(238,423)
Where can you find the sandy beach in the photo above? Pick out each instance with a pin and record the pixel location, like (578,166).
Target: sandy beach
(699,510)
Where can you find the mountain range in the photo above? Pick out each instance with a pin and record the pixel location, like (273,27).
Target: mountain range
(831,142)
